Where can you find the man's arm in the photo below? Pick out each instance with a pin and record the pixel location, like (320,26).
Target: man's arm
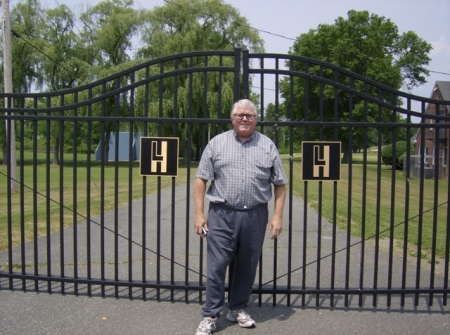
(276,224)
(199,201)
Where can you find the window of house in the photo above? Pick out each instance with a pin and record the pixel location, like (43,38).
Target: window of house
(444,156)
(434,156)
(441,121)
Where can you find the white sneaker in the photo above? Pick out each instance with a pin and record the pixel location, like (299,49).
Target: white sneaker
(206,326)
(240,316)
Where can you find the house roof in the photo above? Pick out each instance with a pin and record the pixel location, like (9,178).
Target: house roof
(444,88)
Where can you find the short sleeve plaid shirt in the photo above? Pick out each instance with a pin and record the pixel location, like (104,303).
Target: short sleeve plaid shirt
(241,173)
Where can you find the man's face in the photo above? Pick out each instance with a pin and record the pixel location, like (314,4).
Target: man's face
(241,124)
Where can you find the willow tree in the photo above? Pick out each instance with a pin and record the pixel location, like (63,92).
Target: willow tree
(61,67)
(108,32)
(367,44)
(194,25)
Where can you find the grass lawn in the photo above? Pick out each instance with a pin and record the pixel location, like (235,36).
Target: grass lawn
(380,206)
(35,204)
(352,213)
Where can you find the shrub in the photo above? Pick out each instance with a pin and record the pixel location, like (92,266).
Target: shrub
(400,153)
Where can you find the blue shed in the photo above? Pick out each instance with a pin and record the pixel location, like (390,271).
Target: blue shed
(123,141)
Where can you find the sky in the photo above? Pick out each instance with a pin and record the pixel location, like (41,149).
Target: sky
(429,19)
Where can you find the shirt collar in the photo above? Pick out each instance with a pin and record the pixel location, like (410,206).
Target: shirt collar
(250,138)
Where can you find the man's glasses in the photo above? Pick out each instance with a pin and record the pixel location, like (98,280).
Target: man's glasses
(249,117)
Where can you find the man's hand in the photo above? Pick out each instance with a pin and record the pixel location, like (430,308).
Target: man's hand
(199,199)
(199,223)
(276,224)
(275,227)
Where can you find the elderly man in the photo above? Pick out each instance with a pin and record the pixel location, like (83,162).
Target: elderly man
(242,164)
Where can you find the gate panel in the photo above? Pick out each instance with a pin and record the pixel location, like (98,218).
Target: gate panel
(86,223)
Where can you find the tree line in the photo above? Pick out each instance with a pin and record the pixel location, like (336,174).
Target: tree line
(55,49)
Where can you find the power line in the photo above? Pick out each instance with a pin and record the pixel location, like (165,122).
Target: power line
(282,36)
(42,52)
(17,35)
(68,15)
(447,74)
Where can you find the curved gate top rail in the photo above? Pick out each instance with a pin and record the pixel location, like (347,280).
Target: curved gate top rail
(85,222)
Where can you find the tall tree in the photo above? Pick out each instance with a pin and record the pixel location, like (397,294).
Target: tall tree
(26,25)
(195,25)
(61,67)
(109,29)
(26,22)
(190,25)
(364,43)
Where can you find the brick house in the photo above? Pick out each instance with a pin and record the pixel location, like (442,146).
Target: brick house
(441,91)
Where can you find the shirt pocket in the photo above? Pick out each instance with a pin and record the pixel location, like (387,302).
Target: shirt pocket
(263,166)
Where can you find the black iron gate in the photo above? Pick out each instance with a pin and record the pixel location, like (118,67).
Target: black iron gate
(85,222)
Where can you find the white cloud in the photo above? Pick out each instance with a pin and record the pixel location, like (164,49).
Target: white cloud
(440,46)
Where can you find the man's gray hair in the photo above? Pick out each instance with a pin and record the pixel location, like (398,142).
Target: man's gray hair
(245,104)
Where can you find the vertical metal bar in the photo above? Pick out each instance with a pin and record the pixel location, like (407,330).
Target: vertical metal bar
(435,206)
(245,76)
(173,235)
(130,188)
(319,241)
(421,196)
(35,203)
(305,238)
(144,194)
(364,190)
(378,204)
(275,241)
(392,216)
(237,73)
(9,174)
(321,108)
(407,192)
(205,115)
(104,158)
(260,270)
(335,184)
(88,196)
(61,197)
(22,198)
(349,192)
(319,198)
(219,104)
(447,237)
(173,223)
(116,190)
(305,194)
(333,243)
(205,103)
(261,90)
(158,211)
(363,205)
(291,183)
(75,195)
(187,160)
(48,196)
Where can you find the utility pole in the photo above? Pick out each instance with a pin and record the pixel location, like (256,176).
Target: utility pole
(7,70)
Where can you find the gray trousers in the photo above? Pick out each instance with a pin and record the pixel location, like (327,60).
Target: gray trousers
(233,235)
